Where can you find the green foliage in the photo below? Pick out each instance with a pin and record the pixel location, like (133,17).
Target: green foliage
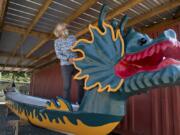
(15,76)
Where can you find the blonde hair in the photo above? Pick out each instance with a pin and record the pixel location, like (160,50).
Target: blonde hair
(58,32)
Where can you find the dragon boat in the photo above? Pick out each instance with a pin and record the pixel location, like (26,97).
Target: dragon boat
(115,64)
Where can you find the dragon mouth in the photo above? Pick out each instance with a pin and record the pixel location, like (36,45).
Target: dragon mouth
(153,58)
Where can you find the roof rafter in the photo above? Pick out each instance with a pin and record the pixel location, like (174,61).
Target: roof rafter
(156,11)
(41,11)
(164,24)
(86,5)
(45,64)
(122,8)
(22,31)
(7,54)
(3,4)
(43,56)
(13,66)
(38,45)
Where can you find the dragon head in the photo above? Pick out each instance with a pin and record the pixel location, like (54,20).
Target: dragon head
(117,64)
(126,61)
(143,54)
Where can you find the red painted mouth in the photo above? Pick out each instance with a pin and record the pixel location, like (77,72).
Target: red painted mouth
(156,57)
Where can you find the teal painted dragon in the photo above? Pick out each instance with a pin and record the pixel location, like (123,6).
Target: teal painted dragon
(114,65)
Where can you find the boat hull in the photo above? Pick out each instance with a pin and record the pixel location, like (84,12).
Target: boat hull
(78,123)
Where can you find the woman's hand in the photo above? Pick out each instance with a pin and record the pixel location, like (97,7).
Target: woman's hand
(71,60)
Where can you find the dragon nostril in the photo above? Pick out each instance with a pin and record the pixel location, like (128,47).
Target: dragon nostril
(142,41)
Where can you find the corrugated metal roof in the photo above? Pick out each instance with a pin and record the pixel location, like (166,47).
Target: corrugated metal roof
(28,44)
(47,47)
(8,40)
(21,13)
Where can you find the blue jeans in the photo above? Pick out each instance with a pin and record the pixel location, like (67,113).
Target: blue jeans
(68,71)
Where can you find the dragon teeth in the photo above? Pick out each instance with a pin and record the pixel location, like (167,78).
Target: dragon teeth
(144,55)
(134,57)
(129,58)
(139,56)
(158,48)
(151,51)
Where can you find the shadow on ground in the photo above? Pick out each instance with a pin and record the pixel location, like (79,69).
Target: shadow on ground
(24,129)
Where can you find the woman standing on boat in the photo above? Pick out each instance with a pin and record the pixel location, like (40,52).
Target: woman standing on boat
(62,47)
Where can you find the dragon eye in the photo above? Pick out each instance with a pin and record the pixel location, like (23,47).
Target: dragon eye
(142,41)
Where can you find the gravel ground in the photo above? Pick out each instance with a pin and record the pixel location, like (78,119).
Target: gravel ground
(28,129)
(24,129)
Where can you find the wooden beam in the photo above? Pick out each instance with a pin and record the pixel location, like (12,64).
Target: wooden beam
(41,11)
(45,64)
(37,46)
(54,59)
(122,8)
(86,5)
(14,66)
(22,31)
(155,11)
(3,4)
(164,24)
(42,57)
(140,18)
(7,54)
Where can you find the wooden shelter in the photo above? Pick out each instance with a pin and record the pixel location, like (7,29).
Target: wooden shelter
(26,44)
(26,26)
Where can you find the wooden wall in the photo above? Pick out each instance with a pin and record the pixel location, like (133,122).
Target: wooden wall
(154,113)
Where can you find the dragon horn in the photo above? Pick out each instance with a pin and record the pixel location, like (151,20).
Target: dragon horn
(102,16)
(114,24)
(122,24)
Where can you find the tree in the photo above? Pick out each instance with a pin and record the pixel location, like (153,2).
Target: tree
(15,76)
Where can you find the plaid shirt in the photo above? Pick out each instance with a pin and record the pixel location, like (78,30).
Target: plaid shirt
(62,49)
